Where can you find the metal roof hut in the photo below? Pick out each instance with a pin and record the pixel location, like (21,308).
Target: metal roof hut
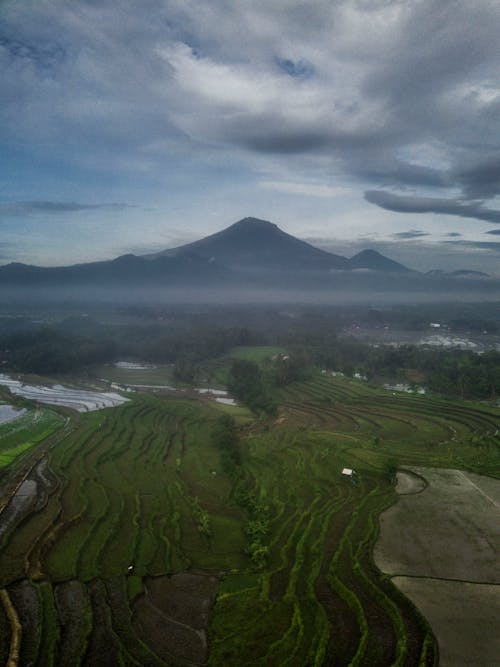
(350,474)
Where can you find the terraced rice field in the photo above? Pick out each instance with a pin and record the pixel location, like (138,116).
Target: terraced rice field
(141,547)
(20,435)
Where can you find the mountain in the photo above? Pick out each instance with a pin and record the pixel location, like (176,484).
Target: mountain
(250,254)
(258,244)
(124,271)
(373,260)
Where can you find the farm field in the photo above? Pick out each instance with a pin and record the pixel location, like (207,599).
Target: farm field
(452,526)
(17,437)
(440,542)
(136,374)
(79,399)
(258,353)
(162,533)
(8,413)
(463,616)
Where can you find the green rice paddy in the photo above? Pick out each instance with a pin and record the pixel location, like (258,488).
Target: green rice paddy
(140,492)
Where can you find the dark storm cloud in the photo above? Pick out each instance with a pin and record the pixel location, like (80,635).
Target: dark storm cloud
(300,68)
(386,170)
(22,208)
(411,234)
(410,204)
(481,180)
(495,232)
(42,55)
(283,141)
(375,94)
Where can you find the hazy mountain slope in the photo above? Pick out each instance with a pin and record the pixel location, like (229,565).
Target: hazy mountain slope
(371,259)
(253,243)
(251,253)
(122,271)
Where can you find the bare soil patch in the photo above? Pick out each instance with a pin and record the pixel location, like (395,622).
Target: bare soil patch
(464,618)
(408,482)
(442,545)
(18,506)
(172,616)
(451,530)
(72,603)
(25,600)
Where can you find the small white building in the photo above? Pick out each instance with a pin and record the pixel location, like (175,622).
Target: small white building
(348,472)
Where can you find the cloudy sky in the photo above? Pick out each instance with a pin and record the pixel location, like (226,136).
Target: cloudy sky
(132,126)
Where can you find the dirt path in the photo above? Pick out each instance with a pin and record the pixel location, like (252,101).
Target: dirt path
(16,629)
(497,505)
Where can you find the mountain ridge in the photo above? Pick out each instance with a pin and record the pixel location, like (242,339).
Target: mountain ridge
(248,245)
(252,260)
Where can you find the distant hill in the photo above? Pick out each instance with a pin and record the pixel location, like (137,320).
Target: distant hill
(373,260)
(460,273)
(124,271)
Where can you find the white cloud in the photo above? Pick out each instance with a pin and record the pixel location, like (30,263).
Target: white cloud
(197,98)
(305,189)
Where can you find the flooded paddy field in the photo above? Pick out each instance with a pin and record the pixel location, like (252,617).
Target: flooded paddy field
(440,542)
(8,413)
(81,400)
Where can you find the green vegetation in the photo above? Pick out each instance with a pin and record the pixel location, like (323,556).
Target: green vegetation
(19,436)
(257,353)
(165,485)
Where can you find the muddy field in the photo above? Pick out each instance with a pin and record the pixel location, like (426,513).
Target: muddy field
(450,530)
(443,541)
(464,618)
(172,615)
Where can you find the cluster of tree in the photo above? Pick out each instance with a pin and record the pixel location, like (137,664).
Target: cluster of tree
(246,383)
(189,340)
(291,367)
(457,373)
(78,344)
(225,436)
(464,374)
(49,351)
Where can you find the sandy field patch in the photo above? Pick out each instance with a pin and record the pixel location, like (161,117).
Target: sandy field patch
(464,618)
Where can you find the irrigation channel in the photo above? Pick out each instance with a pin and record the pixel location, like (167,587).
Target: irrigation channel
(136,539)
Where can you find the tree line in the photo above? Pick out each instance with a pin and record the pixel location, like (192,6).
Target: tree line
(78,346)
